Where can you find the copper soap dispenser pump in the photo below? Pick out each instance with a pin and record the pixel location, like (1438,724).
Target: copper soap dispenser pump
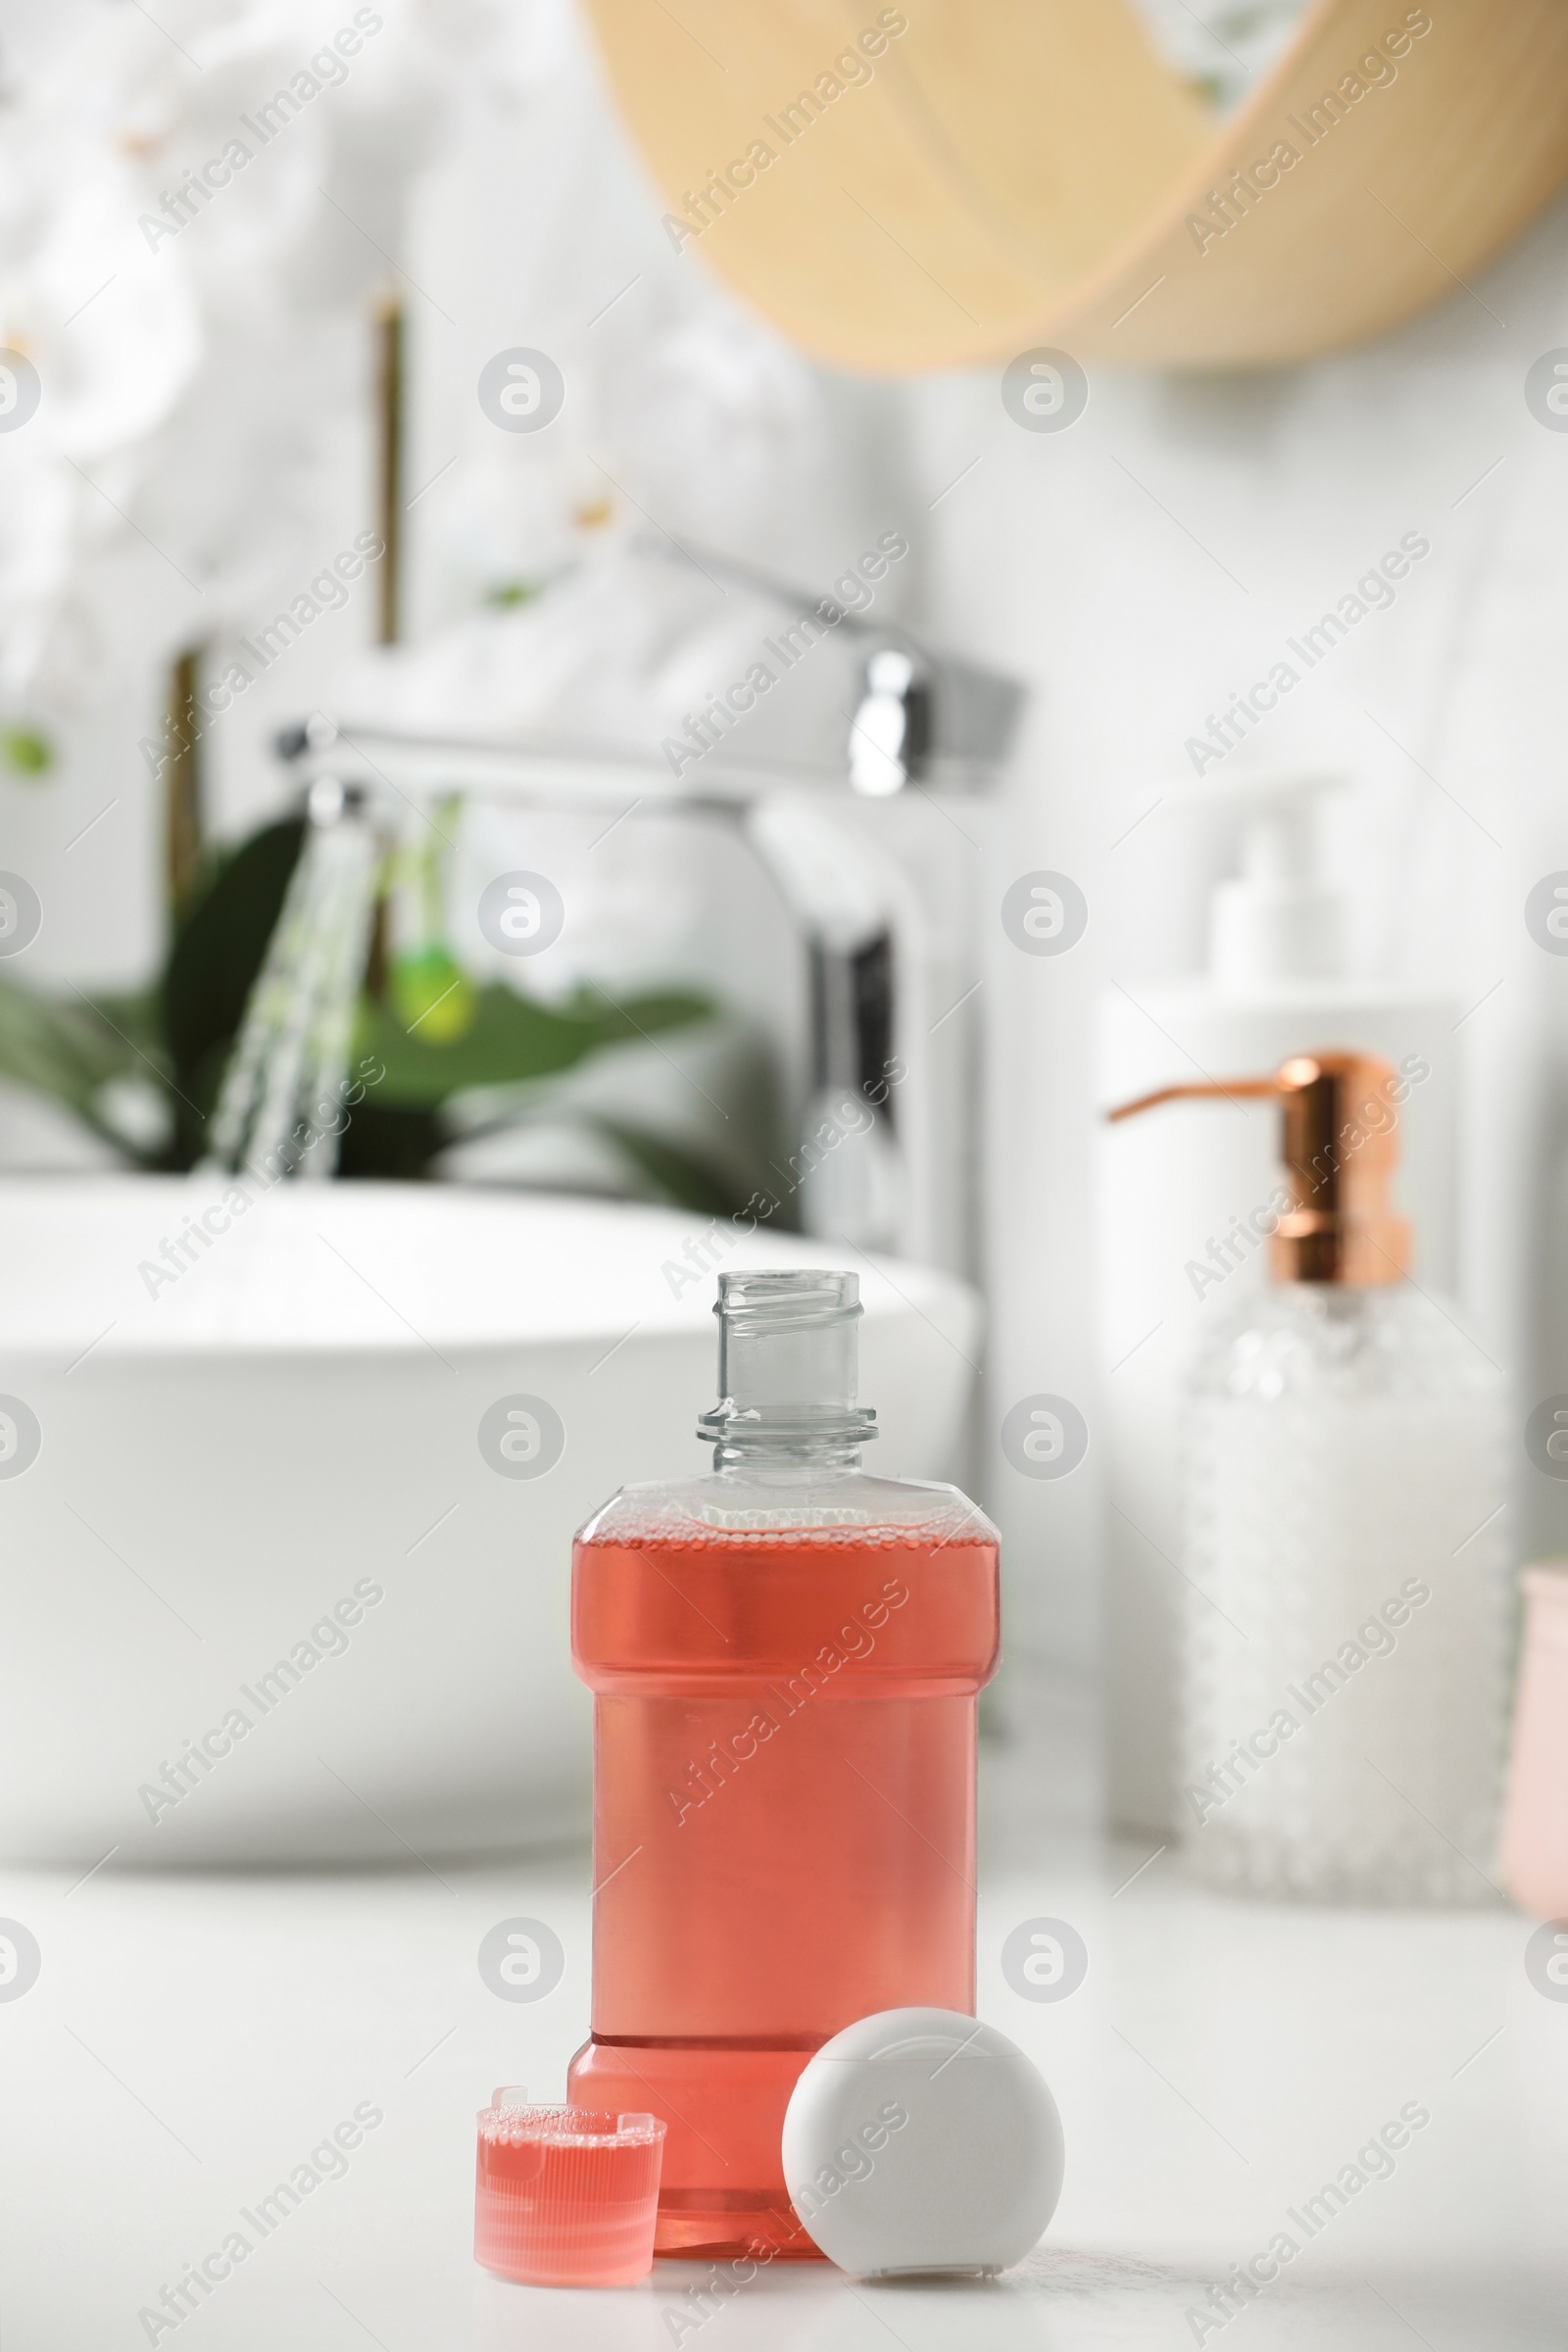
(1342,1477)
(1340,1148)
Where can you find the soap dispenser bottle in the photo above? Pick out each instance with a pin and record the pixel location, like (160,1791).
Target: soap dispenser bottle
(1344,1605)
(1174,1201)
(785,1658)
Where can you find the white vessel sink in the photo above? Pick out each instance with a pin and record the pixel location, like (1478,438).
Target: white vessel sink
(228,1454)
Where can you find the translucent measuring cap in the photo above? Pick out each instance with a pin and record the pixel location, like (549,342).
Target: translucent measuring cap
(566,2196)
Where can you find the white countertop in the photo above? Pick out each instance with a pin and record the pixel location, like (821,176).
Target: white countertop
(191,2039)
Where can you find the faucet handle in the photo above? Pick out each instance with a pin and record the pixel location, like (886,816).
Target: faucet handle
(890,734)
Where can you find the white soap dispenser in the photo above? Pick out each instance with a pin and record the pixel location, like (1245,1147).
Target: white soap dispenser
(1346,1604)
(1185,1205)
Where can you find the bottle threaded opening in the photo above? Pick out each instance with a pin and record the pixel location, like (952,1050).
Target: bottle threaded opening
(774,1299)
(788,1362)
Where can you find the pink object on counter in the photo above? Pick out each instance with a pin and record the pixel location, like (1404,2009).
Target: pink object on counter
(1535,1843)
(566,2196)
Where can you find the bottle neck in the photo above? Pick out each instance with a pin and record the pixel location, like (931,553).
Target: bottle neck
(783,1459)
(787,1368)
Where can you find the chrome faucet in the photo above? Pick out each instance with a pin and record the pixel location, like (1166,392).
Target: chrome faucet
(889,715)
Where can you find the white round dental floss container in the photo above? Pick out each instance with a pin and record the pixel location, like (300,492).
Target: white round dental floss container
(920,2140)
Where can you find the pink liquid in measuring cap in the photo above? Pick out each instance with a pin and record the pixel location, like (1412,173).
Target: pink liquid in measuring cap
(564,2196)
(784,1823)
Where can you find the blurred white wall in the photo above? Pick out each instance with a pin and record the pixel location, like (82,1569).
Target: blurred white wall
(1141,567)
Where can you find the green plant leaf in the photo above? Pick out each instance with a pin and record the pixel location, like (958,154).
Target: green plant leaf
(685,1180)
(509,1038)
(218,946)
(216,955)
(181,1035)
(69,1051)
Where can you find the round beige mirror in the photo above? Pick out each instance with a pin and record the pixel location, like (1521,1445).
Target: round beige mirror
(947,182)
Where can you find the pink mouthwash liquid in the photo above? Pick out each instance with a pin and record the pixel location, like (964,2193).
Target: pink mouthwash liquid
(562,2197)
(786,1659)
